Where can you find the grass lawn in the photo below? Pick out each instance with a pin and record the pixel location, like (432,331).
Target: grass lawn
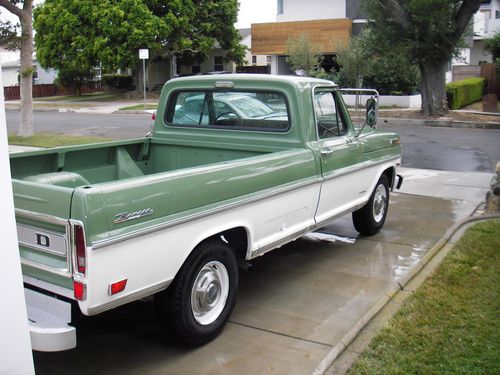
(53,140)
(97,96)
(451,324)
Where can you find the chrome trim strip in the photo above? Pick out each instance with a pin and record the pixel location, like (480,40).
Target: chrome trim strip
(42,267)
(142,293)
(41,217)
(169,224)
(68,293)
(358,167)
(282,241)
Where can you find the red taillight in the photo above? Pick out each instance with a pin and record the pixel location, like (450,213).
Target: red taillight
(117,287)
(81,253)
(79,290)
(153,116)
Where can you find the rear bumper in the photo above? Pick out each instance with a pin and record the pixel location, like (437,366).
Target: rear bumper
(48,322)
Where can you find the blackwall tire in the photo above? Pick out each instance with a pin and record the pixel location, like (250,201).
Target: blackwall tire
(197,305)
(369,219)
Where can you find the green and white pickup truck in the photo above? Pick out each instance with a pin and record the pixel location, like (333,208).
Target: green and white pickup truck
(236,166)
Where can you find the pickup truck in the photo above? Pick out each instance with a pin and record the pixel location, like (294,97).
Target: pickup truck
(236,166)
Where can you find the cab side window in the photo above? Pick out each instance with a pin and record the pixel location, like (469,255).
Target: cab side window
(329,120)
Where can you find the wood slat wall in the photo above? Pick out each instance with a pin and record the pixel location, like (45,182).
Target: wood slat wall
(272,38)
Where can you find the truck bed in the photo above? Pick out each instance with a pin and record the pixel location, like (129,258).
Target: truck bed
(80,166)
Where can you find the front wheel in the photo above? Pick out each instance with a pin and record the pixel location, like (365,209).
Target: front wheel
(198,304)
(370,218)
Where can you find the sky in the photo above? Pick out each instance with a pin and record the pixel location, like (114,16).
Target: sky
(251,11)
(256,11)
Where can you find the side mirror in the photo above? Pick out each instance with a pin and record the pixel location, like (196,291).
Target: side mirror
(371,112)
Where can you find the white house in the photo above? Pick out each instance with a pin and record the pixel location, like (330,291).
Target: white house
(11,65)
(328,23)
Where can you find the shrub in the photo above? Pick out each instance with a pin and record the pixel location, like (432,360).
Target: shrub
(117,81)
(465,91)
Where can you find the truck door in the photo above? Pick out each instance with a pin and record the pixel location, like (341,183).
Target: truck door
(340,155)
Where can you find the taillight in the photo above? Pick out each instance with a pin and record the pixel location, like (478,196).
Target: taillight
(153,116)
(81,253)
(79,290)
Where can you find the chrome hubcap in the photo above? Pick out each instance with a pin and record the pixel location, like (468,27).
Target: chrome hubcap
(379,203)
(209,293)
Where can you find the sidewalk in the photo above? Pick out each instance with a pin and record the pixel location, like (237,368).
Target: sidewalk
(104,107)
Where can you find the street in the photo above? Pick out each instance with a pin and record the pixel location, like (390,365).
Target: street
(444,149)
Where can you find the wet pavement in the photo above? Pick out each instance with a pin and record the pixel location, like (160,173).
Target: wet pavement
(294,305)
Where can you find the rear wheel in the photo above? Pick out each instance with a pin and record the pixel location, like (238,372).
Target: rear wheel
(370,218)
(198,304)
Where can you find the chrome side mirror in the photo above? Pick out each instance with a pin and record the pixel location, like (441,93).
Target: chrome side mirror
(371,112)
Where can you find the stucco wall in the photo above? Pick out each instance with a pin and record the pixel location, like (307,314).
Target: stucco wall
(299,10)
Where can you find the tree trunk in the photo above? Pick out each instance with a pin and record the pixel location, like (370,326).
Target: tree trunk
(26,73)
(433,88)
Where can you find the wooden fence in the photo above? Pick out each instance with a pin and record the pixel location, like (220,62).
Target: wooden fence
(12,92)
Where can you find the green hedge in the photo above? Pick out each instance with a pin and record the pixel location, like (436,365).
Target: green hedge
(466,91)
(117,81)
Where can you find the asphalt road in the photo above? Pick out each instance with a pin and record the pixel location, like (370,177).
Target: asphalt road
(446,149)
(115,126)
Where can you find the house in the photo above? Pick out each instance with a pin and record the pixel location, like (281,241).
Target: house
(11,65)
(486,23)
(252,59)
(163,68)
(330,24)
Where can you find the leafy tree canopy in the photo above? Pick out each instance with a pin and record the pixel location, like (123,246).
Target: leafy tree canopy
(110,32)
(303,55)
(427,32)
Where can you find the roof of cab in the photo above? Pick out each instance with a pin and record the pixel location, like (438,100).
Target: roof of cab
(242,77)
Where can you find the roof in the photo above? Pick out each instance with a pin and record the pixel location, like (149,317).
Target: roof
(258,78)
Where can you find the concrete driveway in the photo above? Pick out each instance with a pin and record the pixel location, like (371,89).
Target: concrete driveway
(295,304)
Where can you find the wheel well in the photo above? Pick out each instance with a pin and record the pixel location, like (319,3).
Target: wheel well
(391,175)
(237,239)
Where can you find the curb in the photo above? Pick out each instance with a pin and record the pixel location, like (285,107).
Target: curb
(44,109)
(349,337)
(447,123)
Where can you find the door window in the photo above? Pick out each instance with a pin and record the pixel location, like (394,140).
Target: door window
(329,120)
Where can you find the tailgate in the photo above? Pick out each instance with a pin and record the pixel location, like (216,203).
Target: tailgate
(44,234)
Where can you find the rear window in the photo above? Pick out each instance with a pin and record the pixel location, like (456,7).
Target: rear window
(260,111)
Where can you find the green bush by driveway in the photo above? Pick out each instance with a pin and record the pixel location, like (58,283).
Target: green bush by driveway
(465,91)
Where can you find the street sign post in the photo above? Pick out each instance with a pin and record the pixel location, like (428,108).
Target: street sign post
(144,55)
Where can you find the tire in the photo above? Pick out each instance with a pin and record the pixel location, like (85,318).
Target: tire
(197,305)
(369,219)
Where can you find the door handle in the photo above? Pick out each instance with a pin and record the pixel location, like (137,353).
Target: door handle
(326,151)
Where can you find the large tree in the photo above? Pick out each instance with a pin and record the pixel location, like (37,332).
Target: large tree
(23,9)
(428,32)
(86,33)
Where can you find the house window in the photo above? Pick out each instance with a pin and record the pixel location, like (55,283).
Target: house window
(218,63)
(35,72)
(254,60)
(195,69)
(280,6)
(268,59)
(497,14)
